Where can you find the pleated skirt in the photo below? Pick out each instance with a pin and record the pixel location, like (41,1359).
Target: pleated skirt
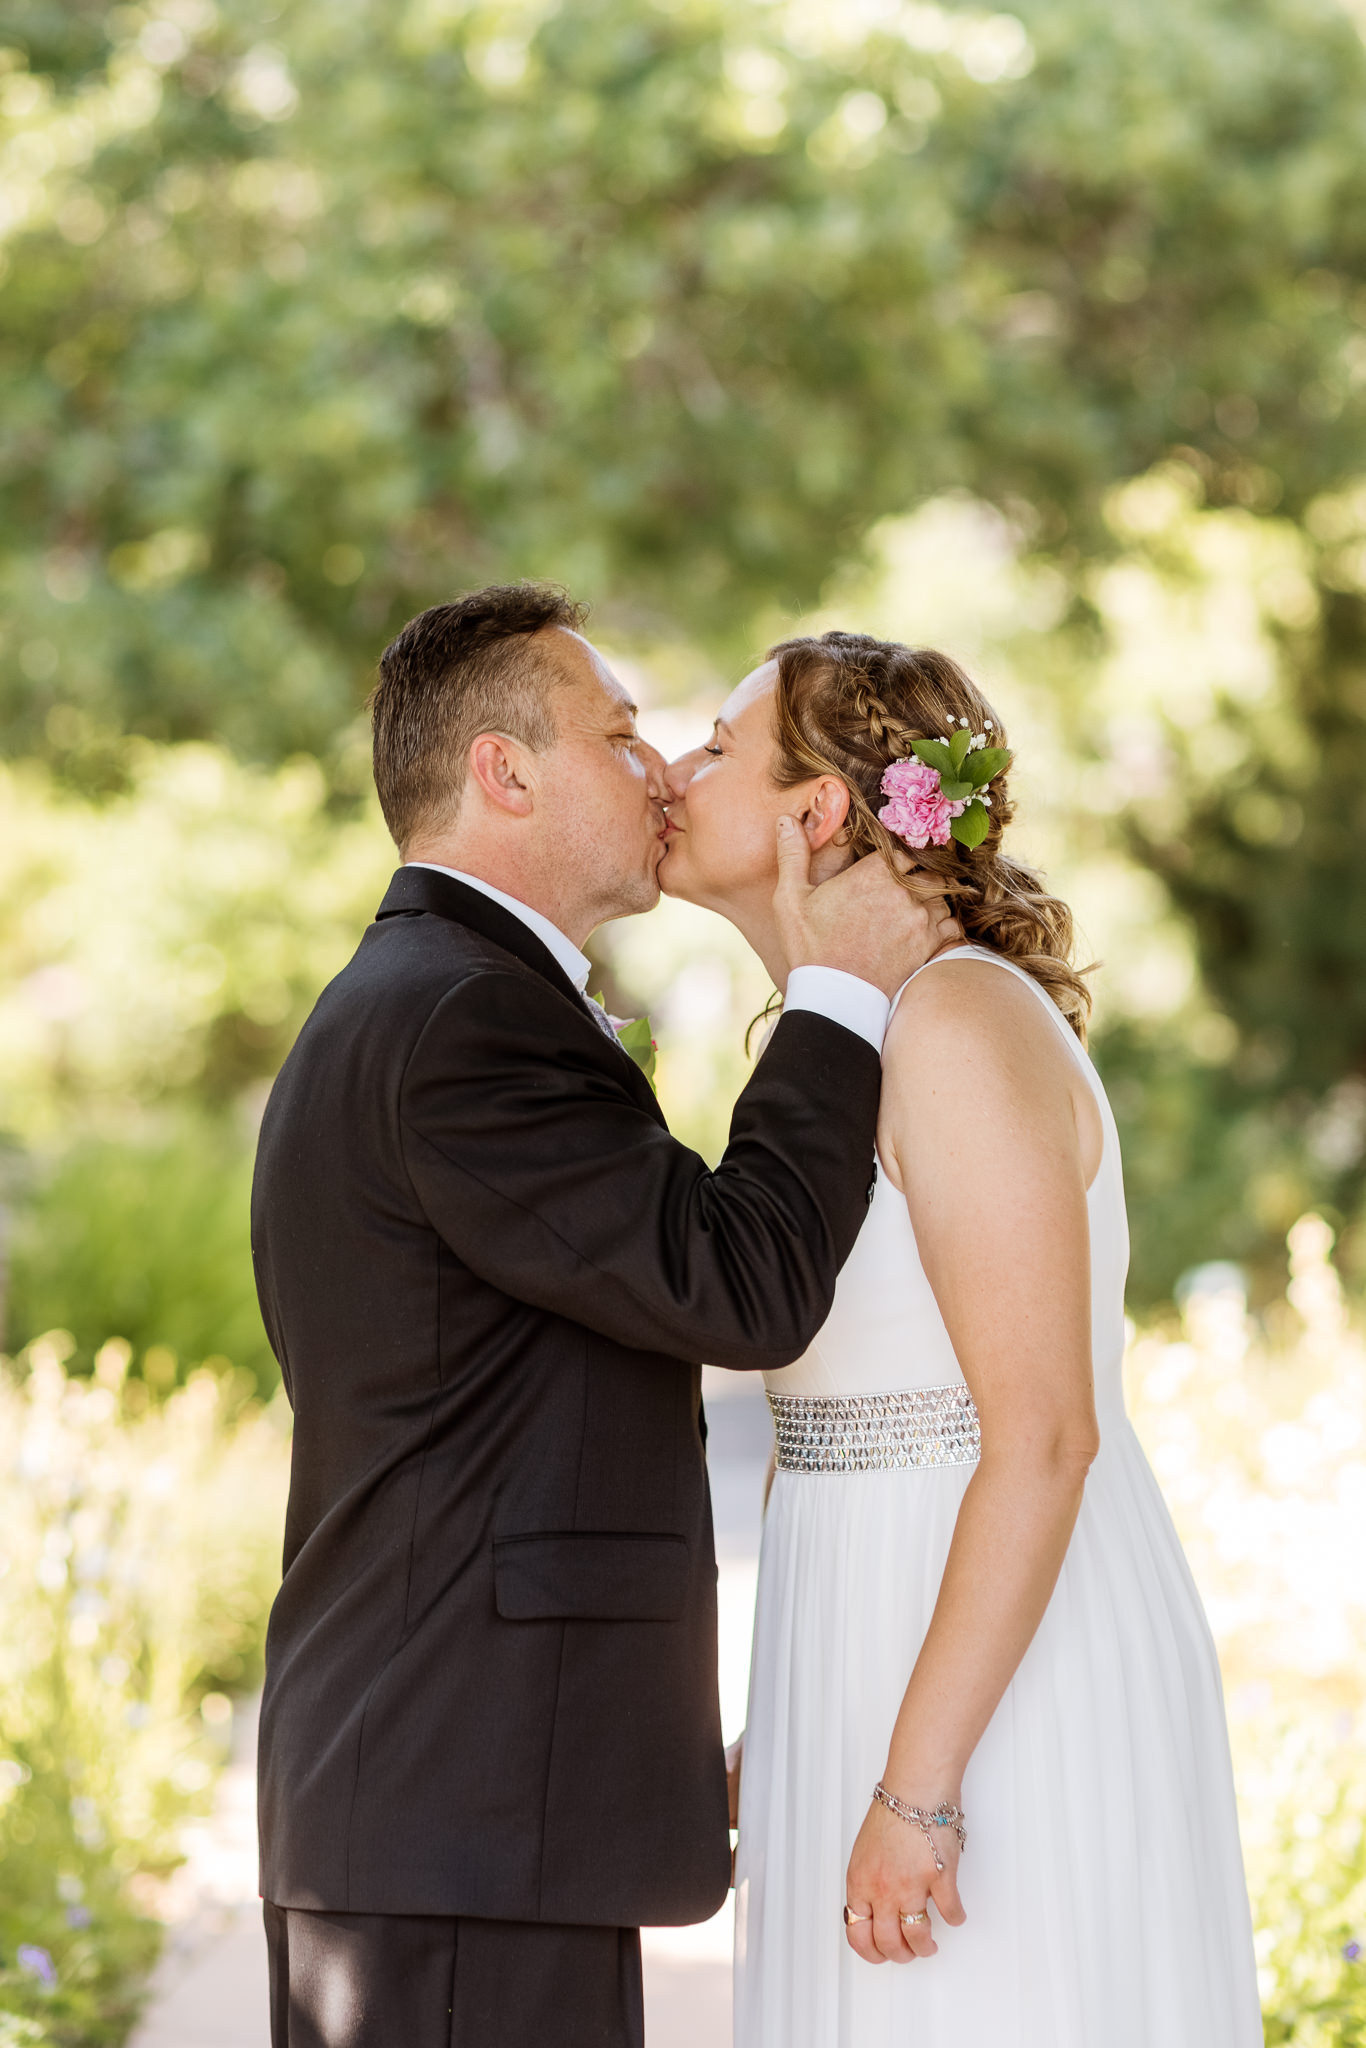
(1103,1879)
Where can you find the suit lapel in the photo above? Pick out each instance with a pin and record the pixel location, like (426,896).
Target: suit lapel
(423,889)
(442,896)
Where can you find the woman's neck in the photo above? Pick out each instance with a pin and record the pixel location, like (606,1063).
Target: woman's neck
(754,919)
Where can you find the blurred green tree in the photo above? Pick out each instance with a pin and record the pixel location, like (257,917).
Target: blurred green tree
(149,1240)
(158,951)
(313,314)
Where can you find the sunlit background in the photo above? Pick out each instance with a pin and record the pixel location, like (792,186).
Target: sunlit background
(1037,335)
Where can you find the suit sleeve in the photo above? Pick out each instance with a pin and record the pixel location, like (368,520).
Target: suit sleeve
(539,1171)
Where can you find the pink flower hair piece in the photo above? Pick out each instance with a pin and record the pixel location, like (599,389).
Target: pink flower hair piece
(919,813)
(943,791)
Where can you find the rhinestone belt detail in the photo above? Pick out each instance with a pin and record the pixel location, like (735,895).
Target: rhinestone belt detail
(911,1426)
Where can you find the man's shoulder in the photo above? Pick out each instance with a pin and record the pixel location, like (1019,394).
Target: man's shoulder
(420,946)
(406,968)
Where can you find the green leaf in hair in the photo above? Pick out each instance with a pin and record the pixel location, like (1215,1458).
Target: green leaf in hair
(972,828)
(986,764)
(934,754)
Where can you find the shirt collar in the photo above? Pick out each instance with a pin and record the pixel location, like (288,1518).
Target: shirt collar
(566,955)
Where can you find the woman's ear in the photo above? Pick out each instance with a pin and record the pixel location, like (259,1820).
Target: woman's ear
(825,812)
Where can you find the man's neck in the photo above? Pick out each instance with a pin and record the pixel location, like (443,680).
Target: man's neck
(527,881)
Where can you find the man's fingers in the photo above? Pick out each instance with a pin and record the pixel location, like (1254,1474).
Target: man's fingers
(866,921)
(872,864)
(794,857)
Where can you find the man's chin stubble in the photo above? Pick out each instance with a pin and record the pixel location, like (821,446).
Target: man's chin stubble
(636,901)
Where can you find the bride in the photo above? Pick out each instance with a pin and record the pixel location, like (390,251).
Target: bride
(986,1732)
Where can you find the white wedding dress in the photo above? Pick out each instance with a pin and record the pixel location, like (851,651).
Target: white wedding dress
(1103,1880)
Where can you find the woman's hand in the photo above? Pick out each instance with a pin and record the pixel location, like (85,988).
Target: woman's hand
(891,1873)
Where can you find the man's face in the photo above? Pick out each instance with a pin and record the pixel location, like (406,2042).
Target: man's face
(600,789)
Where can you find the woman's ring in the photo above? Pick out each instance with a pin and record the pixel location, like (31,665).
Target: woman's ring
(852,1919)
(913,1919)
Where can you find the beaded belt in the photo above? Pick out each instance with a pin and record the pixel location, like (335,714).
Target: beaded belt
(910,1426)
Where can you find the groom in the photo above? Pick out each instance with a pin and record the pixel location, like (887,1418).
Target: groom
(490,1740)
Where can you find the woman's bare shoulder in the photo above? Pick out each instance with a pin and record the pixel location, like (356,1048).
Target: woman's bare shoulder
(966,1006)
(969,1036)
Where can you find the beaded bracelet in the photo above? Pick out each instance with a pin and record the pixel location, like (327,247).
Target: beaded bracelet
(944,1816)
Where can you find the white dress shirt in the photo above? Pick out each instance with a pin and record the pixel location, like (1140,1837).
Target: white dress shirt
(831,993)
(576,965)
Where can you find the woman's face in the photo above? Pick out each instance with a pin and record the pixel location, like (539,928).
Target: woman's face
(721,840)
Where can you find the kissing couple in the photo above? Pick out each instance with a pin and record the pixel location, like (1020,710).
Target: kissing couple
(986,1738)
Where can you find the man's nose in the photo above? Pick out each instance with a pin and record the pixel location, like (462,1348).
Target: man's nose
(656,772)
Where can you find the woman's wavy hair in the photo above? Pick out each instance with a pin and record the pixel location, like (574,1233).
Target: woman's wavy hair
(847,705)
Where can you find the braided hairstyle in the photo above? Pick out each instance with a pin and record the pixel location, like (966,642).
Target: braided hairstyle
(849,705)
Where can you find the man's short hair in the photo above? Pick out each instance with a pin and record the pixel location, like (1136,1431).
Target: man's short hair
(455,671)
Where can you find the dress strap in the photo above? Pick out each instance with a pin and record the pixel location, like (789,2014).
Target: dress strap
(902,990)
(1109,1136)
(971,952)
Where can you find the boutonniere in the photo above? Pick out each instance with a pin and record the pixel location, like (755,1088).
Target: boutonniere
(635,1037)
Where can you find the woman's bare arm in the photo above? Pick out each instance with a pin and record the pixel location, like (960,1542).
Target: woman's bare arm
(990,1131)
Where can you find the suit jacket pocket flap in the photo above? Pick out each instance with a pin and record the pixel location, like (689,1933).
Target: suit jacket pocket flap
(583,1576)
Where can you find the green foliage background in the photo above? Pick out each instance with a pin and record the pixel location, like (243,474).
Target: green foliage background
(143,1546)
(312,313)
(1040,334)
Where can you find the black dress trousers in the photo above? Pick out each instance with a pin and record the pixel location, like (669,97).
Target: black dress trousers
(384,1980)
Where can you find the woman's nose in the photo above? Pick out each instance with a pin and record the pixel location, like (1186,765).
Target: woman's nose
(678,775)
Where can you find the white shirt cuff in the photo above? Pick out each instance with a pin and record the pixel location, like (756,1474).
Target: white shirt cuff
(841,997)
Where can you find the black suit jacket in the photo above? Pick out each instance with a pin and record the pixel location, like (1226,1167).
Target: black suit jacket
(489,1275)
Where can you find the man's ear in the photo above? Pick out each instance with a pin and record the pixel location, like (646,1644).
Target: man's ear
(826,811)
(498,769)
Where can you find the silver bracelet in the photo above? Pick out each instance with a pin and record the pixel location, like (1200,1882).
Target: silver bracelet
(944,1816)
